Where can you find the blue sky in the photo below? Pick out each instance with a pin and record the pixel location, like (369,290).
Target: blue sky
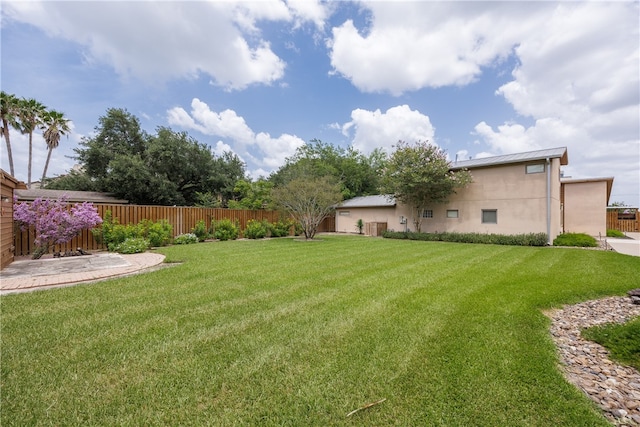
(261,78)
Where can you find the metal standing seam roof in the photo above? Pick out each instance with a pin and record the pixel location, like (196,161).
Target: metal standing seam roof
(378,201)
(551,153)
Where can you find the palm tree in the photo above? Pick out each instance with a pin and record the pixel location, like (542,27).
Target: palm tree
(8,110)
(55,125)
(30,114)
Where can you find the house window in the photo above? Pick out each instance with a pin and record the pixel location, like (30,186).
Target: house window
(536,168)
(344,213)
(489,216)
(427,213)
(452,213)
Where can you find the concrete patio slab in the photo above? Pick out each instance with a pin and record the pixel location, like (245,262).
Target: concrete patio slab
(28,275)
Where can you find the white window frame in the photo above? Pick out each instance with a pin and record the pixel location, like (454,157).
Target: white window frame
(495,211)
(535,168)
(344,213)
(453,213)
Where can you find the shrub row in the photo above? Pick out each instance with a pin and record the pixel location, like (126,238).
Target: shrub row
(227,230)
(186,239)
(113,234)
(137,238)
(531,239)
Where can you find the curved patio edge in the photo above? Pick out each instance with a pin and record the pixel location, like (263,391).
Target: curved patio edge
(21,276)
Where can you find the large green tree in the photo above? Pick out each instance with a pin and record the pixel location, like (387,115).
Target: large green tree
(228,169)
(252,194)
(420,175)
(9,106)
(118,133)
(56,125)
(357,174)
(165,168)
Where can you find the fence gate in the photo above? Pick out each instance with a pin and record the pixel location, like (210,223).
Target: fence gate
(623,219)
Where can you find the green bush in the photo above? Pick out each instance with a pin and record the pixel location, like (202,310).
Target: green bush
(575,239)
(280,228)
(225,229)
(201,231)
(111,233)
(255,229)
(158,233)
(530,239)
(131,245)
(615,233)
(186,239)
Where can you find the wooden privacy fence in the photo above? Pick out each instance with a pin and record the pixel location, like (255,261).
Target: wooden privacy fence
(182,219)
(626,219)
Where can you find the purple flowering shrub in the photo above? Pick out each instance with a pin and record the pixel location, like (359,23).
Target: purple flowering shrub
(53,222)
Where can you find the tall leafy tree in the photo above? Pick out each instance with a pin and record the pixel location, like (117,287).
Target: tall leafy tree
(180,165)
(309,199)
(9,105)
(420,175)
(228,169)
(357,174)
(30,117)
(252,195)
(117,133)
(55,125)
(165,168)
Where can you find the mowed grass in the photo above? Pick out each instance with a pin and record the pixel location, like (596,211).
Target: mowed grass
(290,333)
(622,340)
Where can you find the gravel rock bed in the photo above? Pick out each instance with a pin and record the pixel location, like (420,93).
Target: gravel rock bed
(614,388)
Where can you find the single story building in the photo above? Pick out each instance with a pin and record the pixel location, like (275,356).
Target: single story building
(510,194)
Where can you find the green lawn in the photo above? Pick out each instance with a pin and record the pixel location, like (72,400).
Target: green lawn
(622,341)
(291,333)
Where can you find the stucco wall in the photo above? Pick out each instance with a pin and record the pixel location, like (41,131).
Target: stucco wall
(585,208)
(346,218)
(520,200)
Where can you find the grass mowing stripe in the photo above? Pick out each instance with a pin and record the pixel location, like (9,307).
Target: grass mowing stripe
(288,333)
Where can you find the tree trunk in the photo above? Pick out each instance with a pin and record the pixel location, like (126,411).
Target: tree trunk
(5,127)
(46,166)
(30,156)
(417,219)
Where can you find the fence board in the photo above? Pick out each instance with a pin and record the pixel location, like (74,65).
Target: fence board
(182,219)
(625,222)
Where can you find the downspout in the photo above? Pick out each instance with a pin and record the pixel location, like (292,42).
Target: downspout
(548,202)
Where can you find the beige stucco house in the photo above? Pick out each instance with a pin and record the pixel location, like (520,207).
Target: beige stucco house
(510,194)
(584,207)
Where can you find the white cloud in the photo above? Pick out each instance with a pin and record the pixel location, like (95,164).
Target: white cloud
(375,129)
(171,40)
(261,151)
(306,10)
(221,148)
(413,45)
(579,78)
